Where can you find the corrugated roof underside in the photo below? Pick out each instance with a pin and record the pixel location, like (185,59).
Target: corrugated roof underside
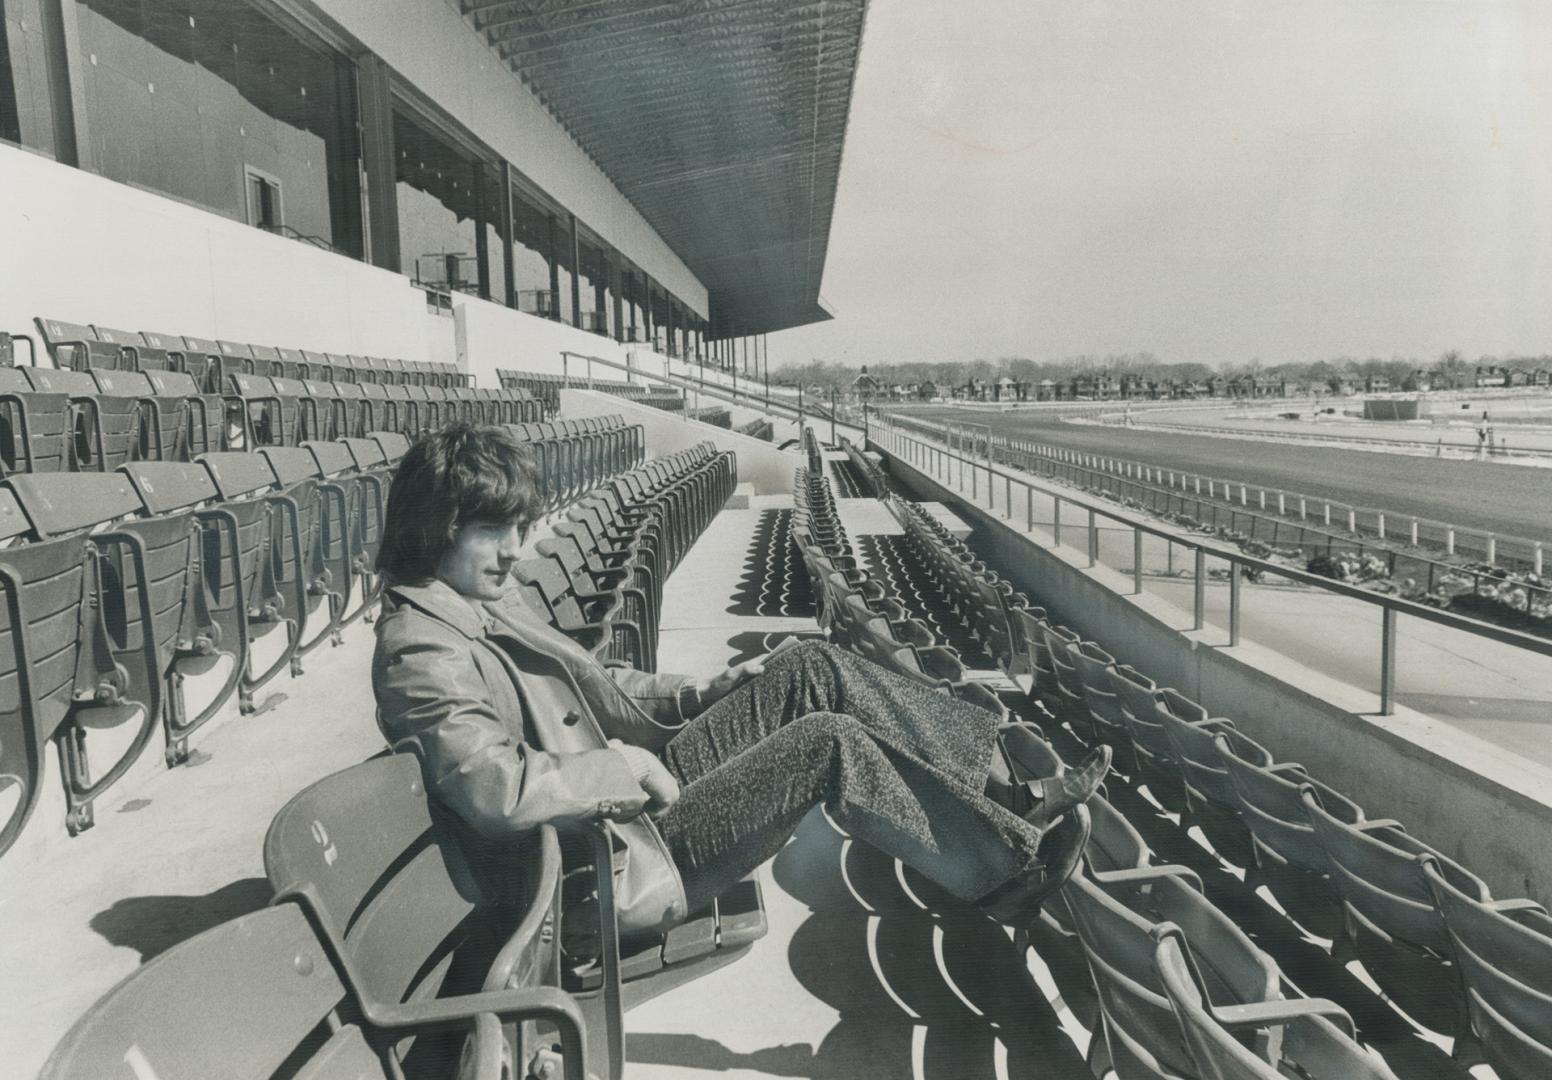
(721,120)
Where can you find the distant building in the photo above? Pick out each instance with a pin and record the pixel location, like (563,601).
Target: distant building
(1491,376)
(865,387)
(1376,384)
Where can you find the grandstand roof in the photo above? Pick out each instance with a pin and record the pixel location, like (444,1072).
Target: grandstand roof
(721,120)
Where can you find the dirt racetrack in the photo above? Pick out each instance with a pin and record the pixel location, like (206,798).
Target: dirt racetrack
(1512,500)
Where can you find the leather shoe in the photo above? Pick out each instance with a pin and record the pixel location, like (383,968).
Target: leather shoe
(1017,900)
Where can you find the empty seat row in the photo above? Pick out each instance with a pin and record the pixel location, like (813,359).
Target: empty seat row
(120,586)
(1394,894)
(599,578)
(63,420)
(211,362)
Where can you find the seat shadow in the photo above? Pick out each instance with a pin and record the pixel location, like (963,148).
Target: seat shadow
(153,924)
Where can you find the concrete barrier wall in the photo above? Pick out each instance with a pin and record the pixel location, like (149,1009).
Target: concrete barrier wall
(1473,801)
(759,463)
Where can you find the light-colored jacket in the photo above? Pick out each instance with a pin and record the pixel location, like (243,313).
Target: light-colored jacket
(510,720)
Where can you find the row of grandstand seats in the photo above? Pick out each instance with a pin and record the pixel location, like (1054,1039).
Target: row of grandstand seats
(868,473)
(59,419)
(859,613)
(546,388)
(400,947)
(1158,950)
(210,362)
(1142,1033)
(121,585)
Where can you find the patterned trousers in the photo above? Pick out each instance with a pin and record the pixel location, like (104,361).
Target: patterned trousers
(894,763)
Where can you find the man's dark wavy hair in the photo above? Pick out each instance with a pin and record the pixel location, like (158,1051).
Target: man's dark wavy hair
(449,478)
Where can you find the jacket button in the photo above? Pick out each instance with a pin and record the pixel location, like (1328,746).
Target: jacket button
(571,717)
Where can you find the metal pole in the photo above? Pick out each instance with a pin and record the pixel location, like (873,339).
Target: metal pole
(1388,661)
(1056,524)
(1233,602)
(833,440)
(1199,600)
(1137,561)
(1093,539)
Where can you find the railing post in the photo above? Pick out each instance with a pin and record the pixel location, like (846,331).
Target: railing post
(1234,587)
(1199,598)
(1029,509)
(1007,500)
(1380,526)
(1387,661)
(1536,559)
(1136,562)
(1414,532)
(1492,550)
(1449,541)
(1093,539)
(1056,524)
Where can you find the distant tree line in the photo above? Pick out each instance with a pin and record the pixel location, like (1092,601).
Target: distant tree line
(1333,372)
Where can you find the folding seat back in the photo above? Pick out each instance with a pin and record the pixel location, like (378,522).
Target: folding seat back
(366,504)
(1313,1037)
(178,420)
(1377,872)
(1271,803)
(407,413)
(36,429)
(637,604)
(316,367)
(303,416)
(597,622)
(324,413)
(363,368)
(377,369)
(156,352)
(1115,916)
(77,346)
(263,415)
(393,444)
(204,359)
(212,610)
(138,356)
(269,536)
(352,417)
(257,990)
(410,917)
(340,368)
(1504,952)
(266,360)
(1060,643)
(322,519)
(239,358)
(1195,746)
(293,364)
(1093,666)
(62,672)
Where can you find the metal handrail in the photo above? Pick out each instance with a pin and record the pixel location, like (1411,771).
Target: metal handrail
(732,395)
(1390,606)
(1523,551)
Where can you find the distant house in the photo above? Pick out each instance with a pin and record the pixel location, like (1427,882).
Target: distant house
(1519,377)
(1009,389)
(1492,376)
(925,390)
(1419,381)
(1045,390)
(1376,384)
(1541,377)
(865,387)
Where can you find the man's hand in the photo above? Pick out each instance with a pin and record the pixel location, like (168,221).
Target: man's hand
(719,686)
(650,772)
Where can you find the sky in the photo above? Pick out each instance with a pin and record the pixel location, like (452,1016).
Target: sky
(1207,180)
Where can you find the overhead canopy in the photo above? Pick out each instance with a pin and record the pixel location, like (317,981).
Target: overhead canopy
(721,120)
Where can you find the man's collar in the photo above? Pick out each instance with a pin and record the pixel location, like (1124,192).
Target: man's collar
(437,598)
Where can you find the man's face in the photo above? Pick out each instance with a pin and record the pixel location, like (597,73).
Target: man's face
(482,554)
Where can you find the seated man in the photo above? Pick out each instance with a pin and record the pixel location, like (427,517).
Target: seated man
(515,725)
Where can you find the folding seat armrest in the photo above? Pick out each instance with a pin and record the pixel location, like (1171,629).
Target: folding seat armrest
(1291,768)
(1259,1014)
(1516,906)
(1213,723)
(1379,823)
(1142,875)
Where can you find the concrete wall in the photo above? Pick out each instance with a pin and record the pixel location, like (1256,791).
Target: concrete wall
(759,463)
(1469,799)
(433,48)
(85,249)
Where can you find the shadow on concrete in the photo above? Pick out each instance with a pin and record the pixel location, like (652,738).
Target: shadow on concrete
(153,924)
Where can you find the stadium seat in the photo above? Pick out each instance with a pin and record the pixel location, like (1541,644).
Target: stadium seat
(37,430)
(1377,871)
(215,608)
(269,533)
(178,420)
(1504,952)
(327,564)
(411,919)
(64,670)
(1314,1035)
(80,347)
(1115,915)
